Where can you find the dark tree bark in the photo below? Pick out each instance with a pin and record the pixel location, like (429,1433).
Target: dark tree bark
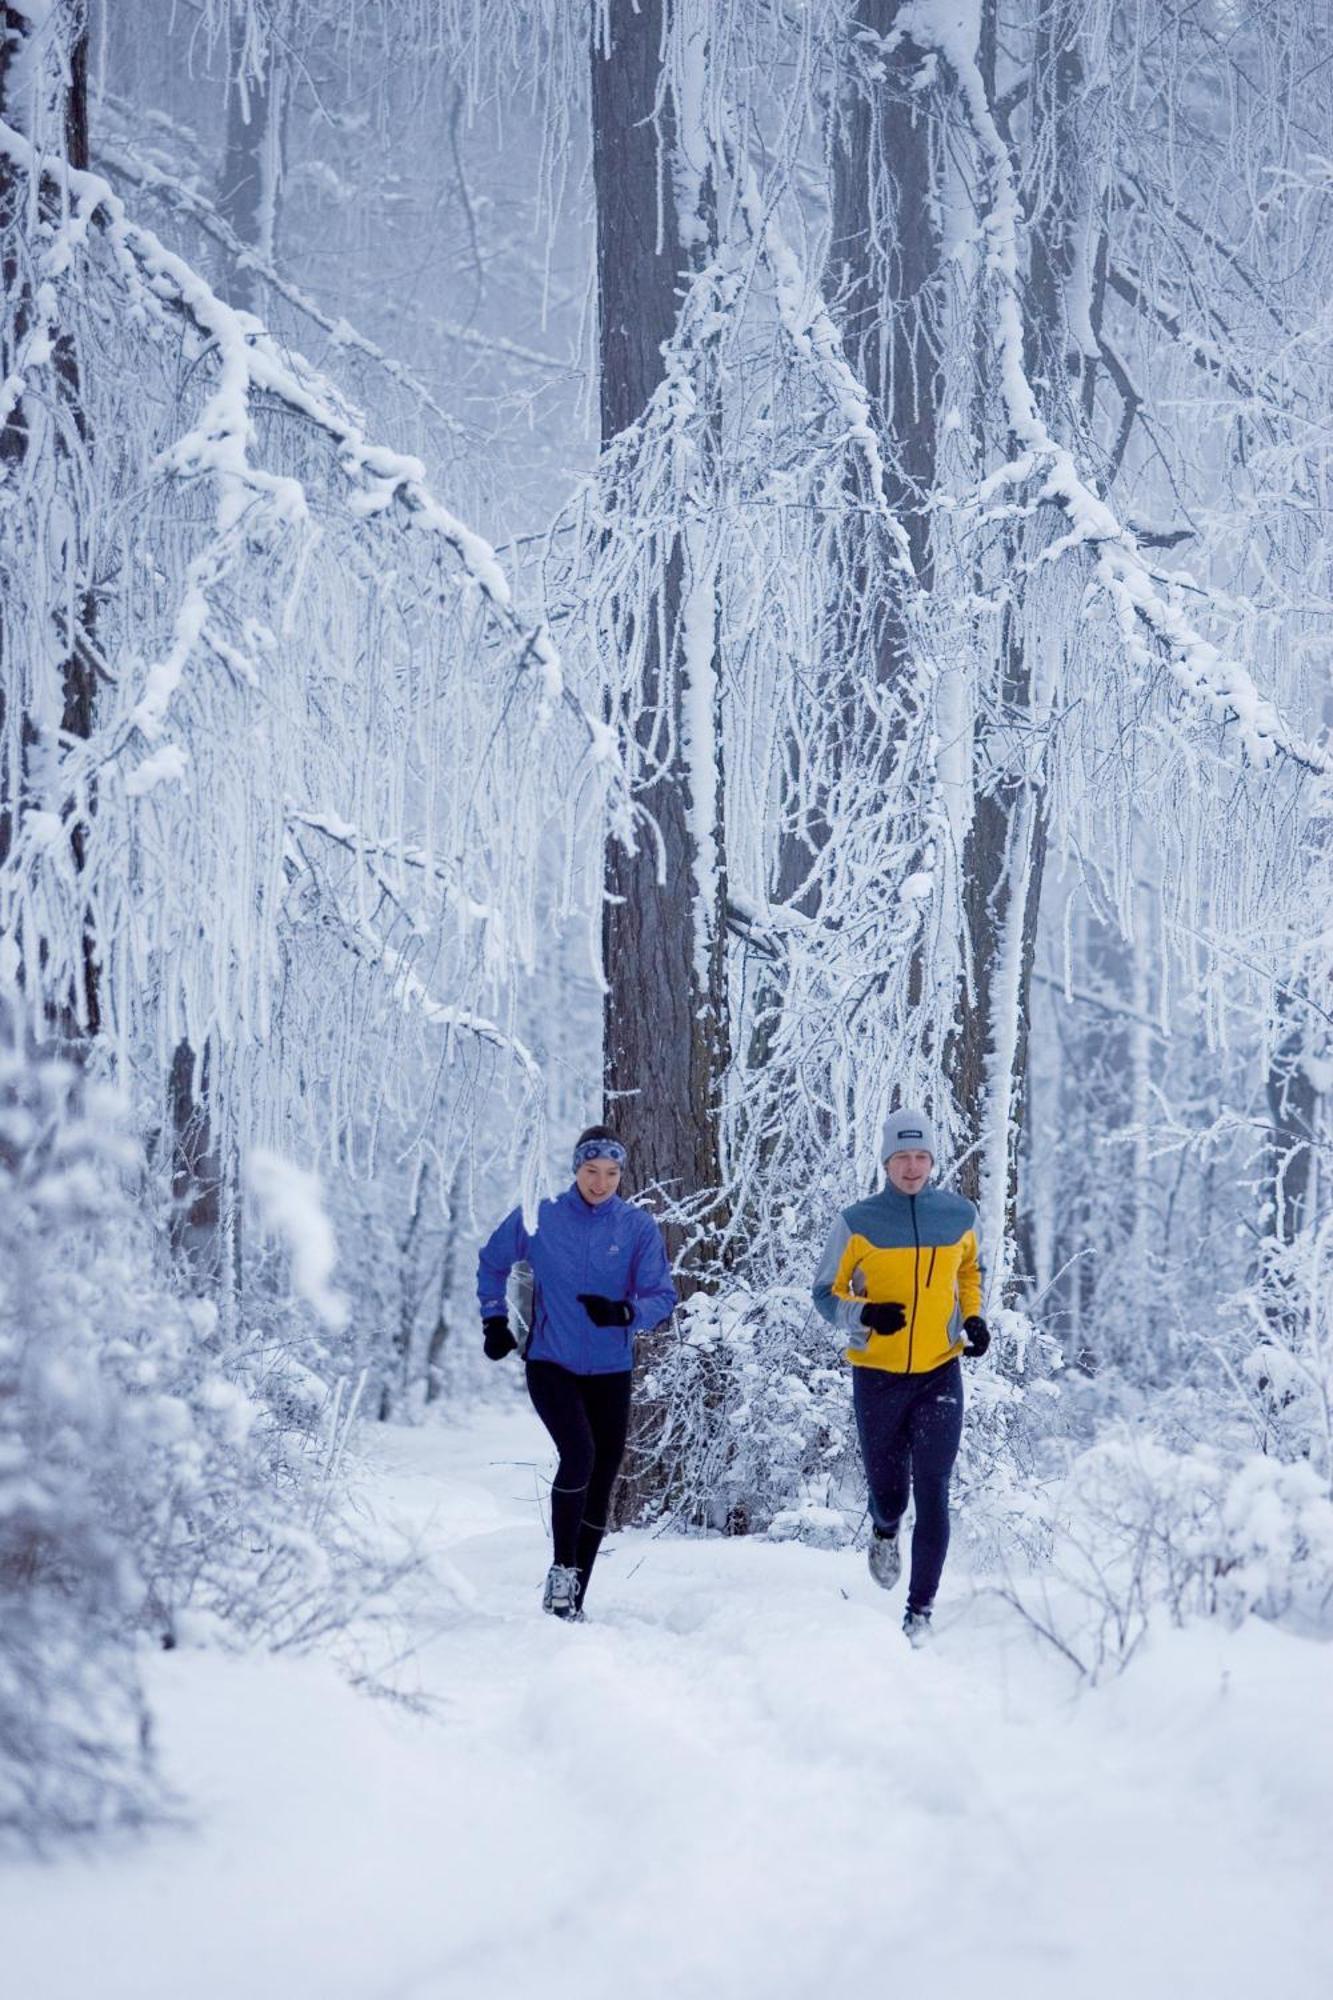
(203,1185)
(1004,859)
(883,261)
(196,1173)
(880,282)
(443,1327)
(1296,1128)
(664,1022)
(75,1016)
(665,1028)
(1294,1109)
(248,193)
(1005,852)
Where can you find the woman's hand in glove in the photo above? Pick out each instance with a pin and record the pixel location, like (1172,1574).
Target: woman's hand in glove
(496,1338)
(605,1312)
(978,1335)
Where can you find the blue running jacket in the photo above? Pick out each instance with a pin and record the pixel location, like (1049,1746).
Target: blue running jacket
(614,1249)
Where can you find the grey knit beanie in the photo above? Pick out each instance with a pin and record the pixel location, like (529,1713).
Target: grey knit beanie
(907,1132)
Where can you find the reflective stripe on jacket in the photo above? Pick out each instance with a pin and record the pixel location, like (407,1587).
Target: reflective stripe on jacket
(612,1249)
(916,1250)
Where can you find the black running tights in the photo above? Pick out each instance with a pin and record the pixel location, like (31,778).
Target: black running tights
(588,1418)
(910,1427)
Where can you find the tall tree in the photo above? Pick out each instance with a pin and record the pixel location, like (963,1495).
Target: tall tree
(48,673)
(665,1018)
(665,1047)
(250,186)
(1005,850)
(205,1177)
(880,279)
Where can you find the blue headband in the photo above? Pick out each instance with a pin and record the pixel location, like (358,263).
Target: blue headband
(599,1149)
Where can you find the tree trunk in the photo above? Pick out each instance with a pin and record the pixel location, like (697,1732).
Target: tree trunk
(196,1174)
(665,1019)
(440,1332)
(248,200)
(883,260)
(1005,851)
(665,1014)
(252,167)
(1003,863)
(44,95)
(879,280)
(1294,1109)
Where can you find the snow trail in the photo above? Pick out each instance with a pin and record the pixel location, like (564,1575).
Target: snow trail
(735,1779)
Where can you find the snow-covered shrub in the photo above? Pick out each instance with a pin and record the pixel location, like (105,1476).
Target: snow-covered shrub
(1285,1372)
(751,1416)
(1140,1533)
(753,1427)
(88,1432)
(1014,1428)
(152,1486)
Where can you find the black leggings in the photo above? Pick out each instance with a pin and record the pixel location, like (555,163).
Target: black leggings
(910,1427)
(588,1418)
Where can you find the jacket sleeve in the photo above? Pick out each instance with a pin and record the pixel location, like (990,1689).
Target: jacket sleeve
(499,1254)
(969,1276)
(651,1291)
(844,1313)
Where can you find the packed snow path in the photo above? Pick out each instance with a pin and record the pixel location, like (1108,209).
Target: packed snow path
(738,1781)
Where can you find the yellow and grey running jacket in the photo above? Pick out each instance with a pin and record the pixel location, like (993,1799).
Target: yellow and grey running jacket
(916,1250)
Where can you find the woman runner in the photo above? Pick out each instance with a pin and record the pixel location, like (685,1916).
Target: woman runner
(599,1277)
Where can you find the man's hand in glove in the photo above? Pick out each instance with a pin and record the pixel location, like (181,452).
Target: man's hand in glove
(496,1338)
(606,1312)
(978,1335)
(890,1318)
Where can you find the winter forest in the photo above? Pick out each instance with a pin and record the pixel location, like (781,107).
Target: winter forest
(719,567)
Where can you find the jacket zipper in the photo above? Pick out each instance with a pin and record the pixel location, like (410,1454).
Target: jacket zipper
(585,1338)
(930,1274)
(916,1282)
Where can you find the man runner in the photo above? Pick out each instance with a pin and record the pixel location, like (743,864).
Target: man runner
(897,1273)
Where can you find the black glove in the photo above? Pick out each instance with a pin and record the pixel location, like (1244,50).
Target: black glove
(890,1318)
(496,1338)
(978,1335)
(605,1312)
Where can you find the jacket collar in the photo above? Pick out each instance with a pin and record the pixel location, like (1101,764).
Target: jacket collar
(895,1196)
(572,1200)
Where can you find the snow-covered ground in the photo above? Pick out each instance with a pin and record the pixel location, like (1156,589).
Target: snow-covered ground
(736,1779)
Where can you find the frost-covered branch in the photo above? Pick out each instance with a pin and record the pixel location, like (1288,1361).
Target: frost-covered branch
(1141,604)
(293,635)
(251,361)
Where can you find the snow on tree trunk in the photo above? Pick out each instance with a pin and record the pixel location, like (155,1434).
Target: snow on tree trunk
(665,1011)
(250,185)
(204,1184)
(48,670)
(879,277)
(665,1014)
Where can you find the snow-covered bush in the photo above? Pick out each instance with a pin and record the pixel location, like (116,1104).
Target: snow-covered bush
(1285,1372)
(753,1427)
(73,1728)
(1140,1533)
(1013,1441)
(153,1488)
(750,1414)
